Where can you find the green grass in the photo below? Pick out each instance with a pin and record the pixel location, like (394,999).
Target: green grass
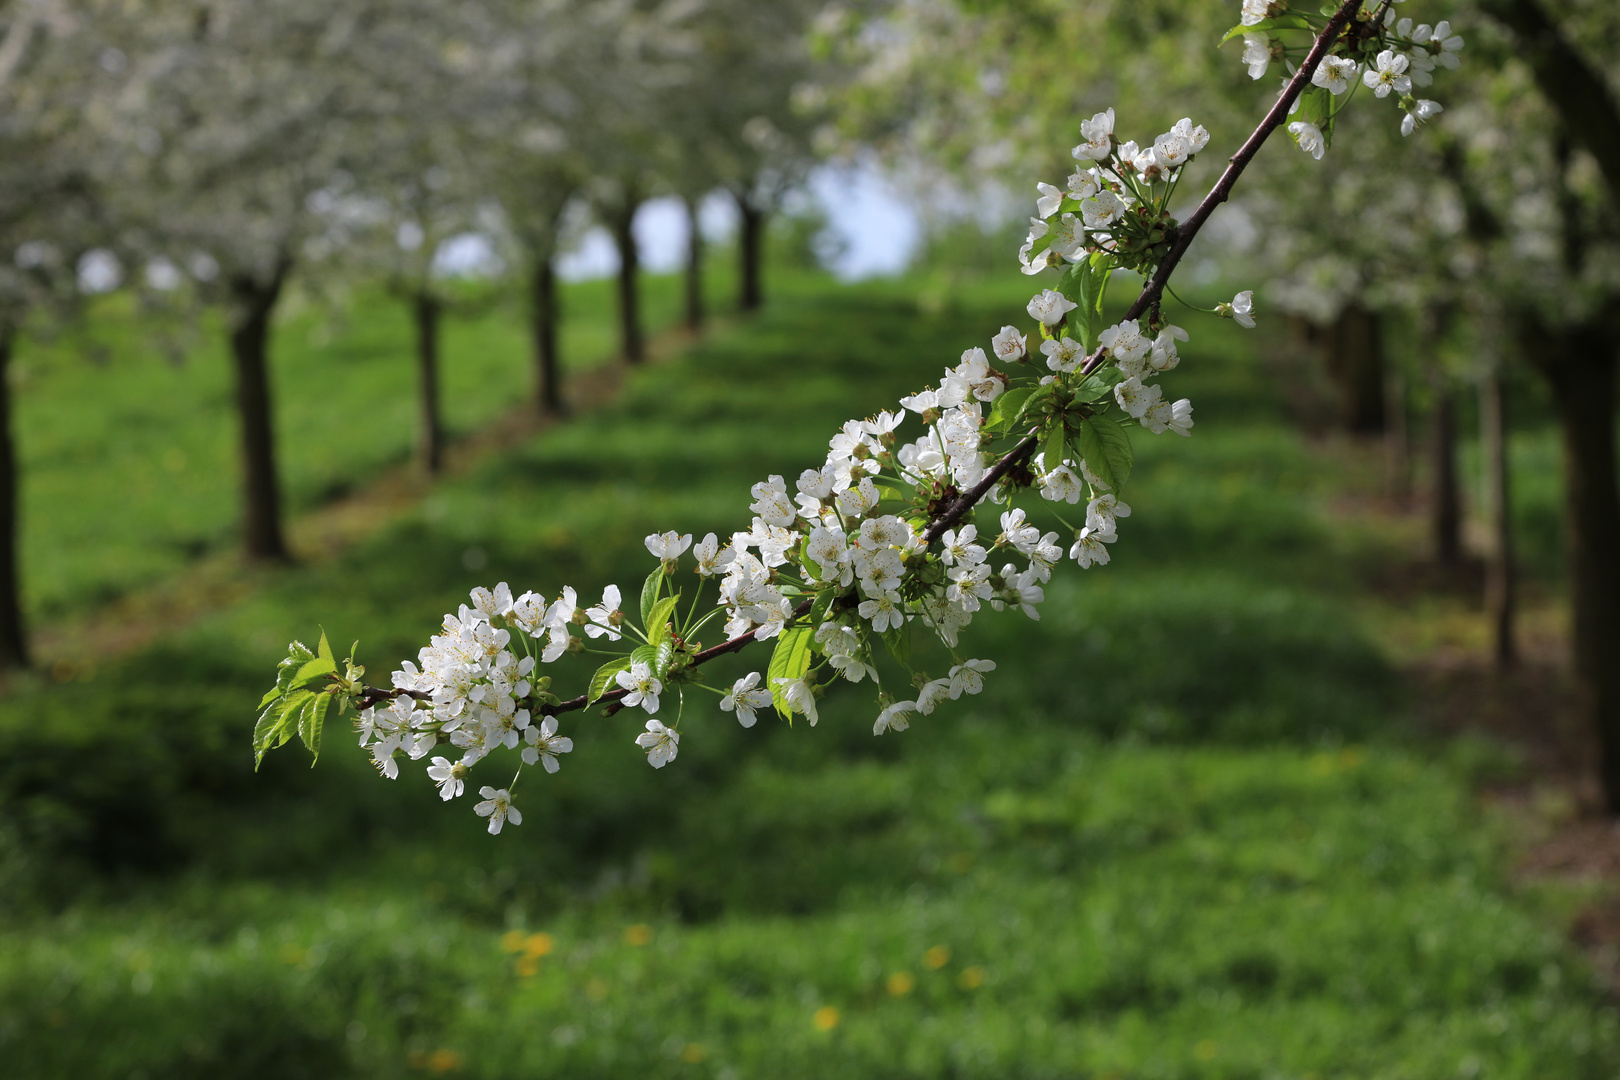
(1185,832)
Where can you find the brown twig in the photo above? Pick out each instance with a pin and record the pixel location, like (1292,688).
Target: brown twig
(1149,296)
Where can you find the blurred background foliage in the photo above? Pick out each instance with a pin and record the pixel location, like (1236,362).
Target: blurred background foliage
(1201,823)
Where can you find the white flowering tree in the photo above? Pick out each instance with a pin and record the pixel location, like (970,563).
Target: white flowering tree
(54,72)
(236,117)
(887,537)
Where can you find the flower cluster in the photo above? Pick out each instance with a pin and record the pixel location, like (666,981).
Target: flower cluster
(1116,200)
(888,538)
(1385,53)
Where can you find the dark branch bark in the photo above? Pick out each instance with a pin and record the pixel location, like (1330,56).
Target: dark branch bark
(543,315)
(429,431)
(750,254)
(1501,582)
(1580,364)
(622,222)
(694,267)
(250,344)
(13,636)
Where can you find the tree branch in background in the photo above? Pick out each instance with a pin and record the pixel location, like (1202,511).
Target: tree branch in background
(1577,92)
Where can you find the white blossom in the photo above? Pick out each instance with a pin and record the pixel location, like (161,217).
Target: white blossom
(660,742)
(1256,54)
(1008,345)
(545,744)
(746,699)
(968,676)
(1098,133)
(1062,354)
(1335,74)
(1088,549)
(711,557)
(1051,198)
(1101,210)
(895,717)
(668,545)
(603,619)
(1309,138)
(642,684)
(800,697)
(1388,72)
(1050,307)
(497,806)
(1124,341)
(1421,112)
(449,777)
(1103,514)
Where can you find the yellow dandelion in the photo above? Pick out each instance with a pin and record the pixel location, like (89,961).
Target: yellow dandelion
(901,983)
(825,1019)
(694,1053)
(1204,1049)
(971,978)
(528,966)
(512,941)
(639,934)
(537,945)
(443,1061)
(937,957)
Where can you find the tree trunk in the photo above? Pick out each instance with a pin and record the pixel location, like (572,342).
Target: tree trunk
(1355,360)
(1501,583)
(631,341)
(250,342)
(751,252)
(694,267)
(13,637)
(1445,503)
(1397,439)
(429,431)
(543,315)
(1580,365)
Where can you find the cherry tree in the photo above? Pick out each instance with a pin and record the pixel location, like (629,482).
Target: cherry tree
(55,71)
(887,536)
(237,116)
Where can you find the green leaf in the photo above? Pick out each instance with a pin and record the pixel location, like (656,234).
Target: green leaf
(1084,283)
(898,641)
(1053,449)
(603,679)
(264,733)
(1281,22)
(1090,445)
(314,670)
(649,594)
(822,604)
(1099,385)
(324,651)
(1111,446)
(1004,411)
(790,661)
(311,718)
(270,695)
(658,619)
(1317,104)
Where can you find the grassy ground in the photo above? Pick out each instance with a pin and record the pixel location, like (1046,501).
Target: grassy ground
(1187,831)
